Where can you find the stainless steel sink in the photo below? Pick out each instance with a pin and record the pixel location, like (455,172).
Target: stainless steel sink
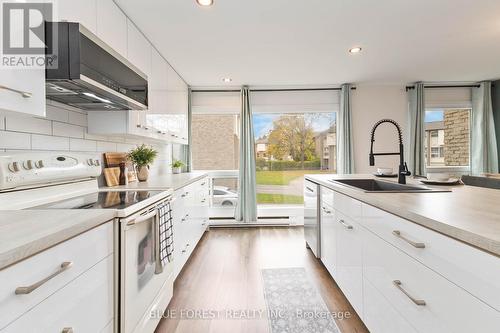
(380,186)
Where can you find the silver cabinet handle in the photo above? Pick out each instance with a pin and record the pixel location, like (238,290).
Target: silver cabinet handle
(418,245)
(309,189)
(25,94)
(419,302)
(346,225)
(26,290)
(326,210)
(67,330)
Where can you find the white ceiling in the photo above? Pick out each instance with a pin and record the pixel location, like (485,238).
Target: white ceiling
(292,42)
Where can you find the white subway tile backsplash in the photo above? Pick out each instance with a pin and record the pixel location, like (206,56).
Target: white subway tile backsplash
(106,146)
(45,142)
(57,114)
(28,124)
(76,118)
(82,145)
(65,129)
(124,147)
(14,140)
(68,130)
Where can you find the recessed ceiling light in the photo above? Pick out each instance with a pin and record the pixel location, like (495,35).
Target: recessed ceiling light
(205,3)
(227,80)
(356,49)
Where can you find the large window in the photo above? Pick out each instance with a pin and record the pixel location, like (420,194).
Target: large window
(288,146)
(447,137)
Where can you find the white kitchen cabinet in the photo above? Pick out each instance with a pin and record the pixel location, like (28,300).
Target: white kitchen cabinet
(328,235)
(120,123)
(168,111)
(349,260)
(81,286)
(23,90)
(81,11)
(190,217)
(138,49)
(379,315)
(112,26)
(474,270)
(83,252)
(84,305)
(425,299)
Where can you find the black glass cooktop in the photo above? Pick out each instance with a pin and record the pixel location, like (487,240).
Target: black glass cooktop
(101,200)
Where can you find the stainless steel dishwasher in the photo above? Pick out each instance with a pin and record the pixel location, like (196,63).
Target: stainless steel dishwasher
(312,230)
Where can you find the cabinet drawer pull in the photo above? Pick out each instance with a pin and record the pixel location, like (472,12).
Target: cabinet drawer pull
(67,330)
(419,302)
(25,94)
(26,290)
(346,225)
(326,210)
(309,189)
(418,245)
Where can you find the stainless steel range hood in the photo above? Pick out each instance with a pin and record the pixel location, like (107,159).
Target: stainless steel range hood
(89,75)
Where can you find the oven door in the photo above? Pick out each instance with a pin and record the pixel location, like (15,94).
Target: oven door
(140,279)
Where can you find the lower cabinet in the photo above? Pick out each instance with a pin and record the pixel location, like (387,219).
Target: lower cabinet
(390,285)
(349,271)
(190,217)
(73,287)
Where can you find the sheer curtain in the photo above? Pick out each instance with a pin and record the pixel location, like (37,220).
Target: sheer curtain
(186,149)
(246,209)
(345,155)
(416,109)
(484,153)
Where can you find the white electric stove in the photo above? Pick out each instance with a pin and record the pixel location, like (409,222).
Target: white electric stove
(69,181)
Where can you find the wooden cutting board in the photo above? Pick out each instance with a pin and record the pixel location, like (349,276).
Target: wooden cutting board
(492,175)
(114,159)
(112,176)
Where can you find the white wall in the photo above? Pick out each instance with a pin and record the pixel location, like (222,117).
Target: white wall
(371,103)
(65,129)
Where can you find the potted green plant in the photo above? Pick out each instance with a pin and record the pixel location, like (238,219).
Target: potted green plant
(142,156)
(177,166)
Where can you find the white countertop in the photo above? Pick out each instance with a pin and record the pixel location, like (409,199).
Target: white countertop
(24,233)
(174,181)
(469,214)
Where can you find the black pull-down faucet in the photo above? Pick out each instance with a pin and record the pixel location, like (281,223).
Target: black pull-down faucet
(403,168)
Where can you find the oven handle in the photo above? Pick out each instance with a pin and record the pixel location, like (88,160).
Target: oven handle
(142,218)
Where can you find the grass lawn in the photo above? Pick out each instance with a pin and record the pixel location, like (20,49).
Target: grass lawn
(264,198)
(282,177)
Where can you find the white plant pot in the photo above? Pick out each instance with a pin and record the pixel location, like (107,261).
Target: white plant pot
(176,170)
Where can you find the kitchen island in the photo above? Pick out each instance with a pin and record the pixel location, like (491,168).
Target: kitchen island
(413,262)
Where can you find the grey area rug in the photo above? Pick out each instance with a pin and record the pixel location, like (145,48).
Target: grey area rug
(294,305)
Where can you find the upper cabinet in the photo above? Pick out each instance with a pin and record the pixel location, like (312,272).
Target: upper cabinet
(138,49)
(82,11)
(23,90)
(112,26)
(168,101)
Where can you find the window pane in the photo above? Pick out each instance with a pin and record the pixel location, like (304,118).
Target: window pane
(288,146)
(447,137)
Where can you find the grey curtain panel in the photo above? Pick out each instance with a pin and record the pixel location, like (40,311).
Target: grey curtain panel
(185,150)
(246,209)
(345,155)
(416,109)
(484,153)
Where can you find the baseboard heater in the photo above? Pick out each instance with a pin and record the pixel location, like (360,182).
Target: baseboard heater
(262,221)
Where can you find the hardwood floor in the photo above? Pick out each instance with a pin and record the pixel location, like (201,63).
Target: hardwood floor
(224,274)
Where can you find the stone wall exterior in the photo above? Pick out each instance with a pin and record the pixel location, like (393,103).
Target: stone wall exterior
(456,137)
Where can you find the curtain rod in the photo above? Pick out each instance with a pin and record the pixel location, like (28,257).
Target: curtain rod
(265,90)
(446,86)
